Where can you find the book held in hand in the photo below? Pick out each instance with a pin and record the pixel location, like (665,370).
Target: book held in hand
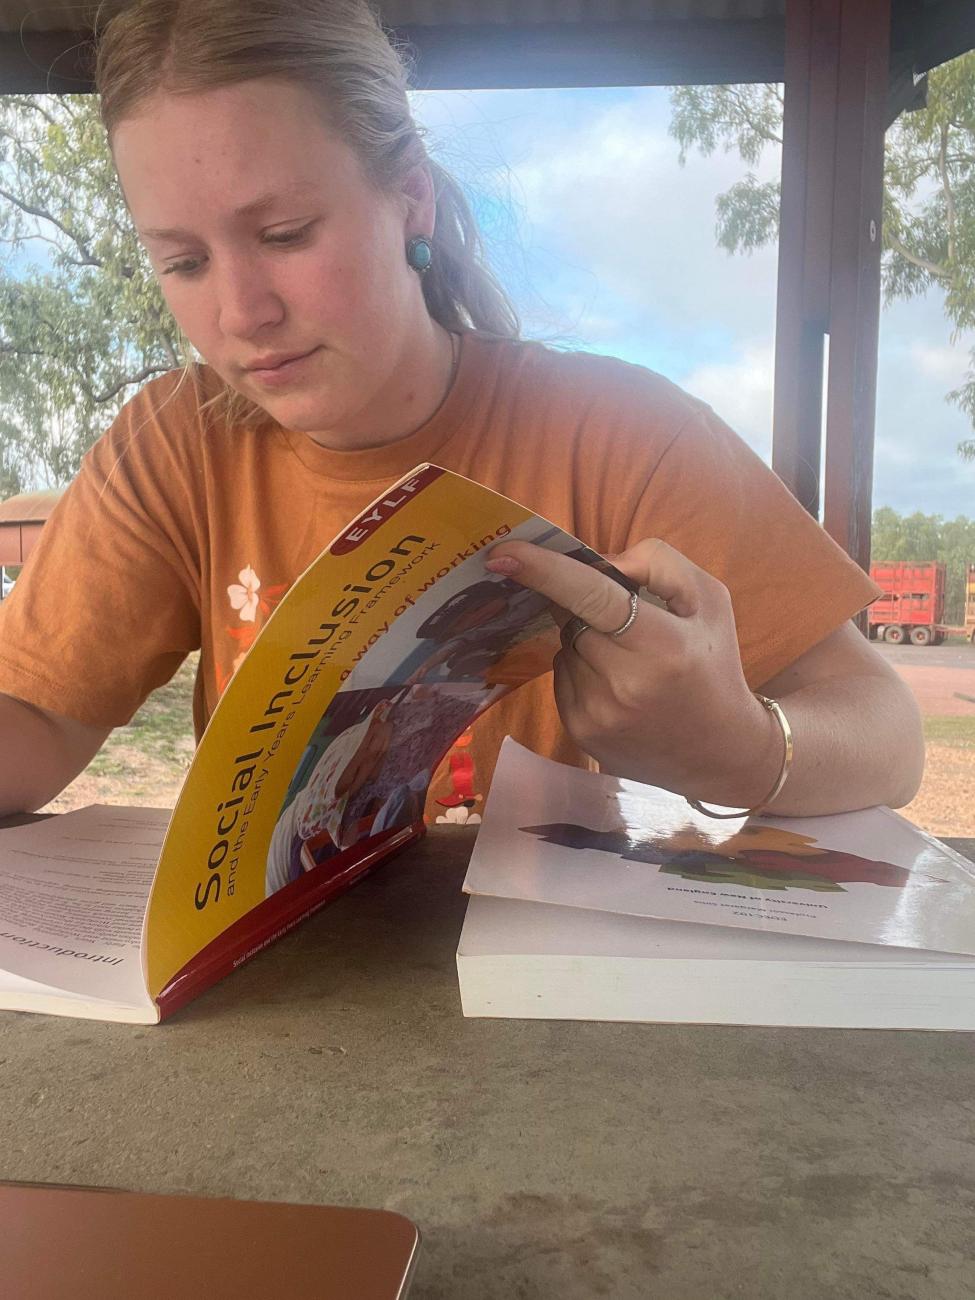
(314,766)
(594,898)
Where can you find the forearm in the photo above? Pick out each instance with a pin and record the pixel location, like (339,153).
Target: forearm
(858,741)
(656,691)
(40,754)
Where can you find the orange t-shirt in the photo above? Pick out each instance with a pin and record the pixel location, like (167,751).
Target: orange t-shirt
(159,545)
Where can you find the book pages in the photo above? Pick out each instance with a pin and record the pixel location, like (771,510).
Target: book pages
(73,894)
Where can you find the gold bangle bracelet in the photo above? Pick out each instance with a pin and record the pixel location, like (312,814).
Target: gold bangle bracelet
(775,709)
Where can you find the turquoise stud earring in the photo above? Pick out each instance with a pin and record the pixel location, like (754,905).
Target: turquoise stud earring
(419,253)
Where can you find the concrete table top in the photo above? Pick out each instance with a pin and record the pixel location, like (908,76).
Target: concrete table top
(541,1160)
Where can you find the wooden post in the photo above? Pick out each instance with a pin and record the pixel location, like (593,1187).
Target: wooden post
(802,310)
(829,257)
(855,275)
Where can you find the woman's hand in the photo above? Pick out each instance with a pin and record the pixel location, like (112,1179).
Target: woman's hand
(666,701)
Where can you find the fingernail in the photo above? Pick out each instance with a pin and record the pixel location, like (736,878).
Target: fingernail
(506,564)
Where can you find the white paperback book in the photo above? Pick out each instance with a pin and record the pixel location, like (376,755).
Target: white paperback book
(594,898)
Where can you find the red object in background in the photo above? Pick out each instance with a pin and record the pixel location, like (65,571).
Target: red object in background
(914,595)
(912,607)
(460,764)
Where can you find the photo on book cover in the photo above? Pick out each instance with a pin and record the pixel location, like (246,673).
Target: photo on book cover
(755,856)
(470,626)
(453,651)
(366,770)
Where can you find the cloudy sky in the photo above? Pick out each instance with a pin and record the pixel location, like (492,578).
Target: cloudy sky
(607,243)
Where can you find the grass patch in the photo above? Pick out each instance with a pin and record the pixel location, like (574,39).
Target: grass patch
(161,731)
(957,732)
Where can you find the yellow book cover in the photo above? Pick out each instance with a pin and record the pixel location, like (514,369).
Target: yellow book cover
(315,764)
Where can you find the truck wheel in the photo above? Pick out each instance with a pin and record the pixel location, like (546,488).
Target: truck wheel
(894,634)
(921,636)
(877,631)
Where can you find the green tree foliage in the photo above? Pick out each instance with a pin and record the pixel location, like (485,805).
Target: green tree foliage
(928,537)
(80,333)
(929,202)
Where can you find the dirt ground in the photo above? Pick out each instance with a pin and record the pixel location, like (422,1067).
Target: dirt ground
(942,691)
(945,804)
(943,681)
(145,762)
(144,780)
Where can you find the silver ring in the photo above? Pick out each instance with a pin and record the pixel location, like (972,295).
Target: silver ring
(630,618)
(572,630)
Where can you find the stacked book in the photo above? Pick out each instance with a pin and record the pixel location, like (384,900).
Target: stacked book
(594,898)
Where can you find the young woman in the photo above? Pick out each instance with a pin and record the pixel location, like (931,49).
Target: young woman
(329,274)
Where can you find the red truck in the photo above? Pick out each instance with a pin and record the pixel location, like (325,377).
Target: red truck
(912,607)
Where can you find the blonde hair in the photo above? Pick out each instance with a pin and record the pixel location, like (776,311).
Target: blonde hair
(338,50)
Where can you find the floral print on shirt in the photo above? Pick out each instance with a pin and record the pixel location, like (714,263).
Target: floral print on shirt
(459,806)
(253,603)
